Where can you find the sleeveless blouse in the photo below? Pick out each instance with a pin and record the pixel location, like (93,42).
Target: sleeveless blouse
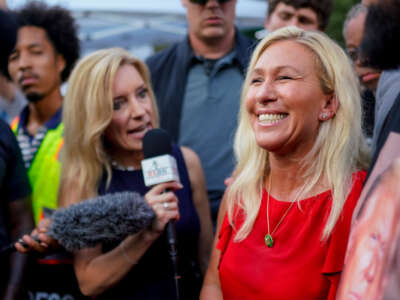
(152,277)
(299,265)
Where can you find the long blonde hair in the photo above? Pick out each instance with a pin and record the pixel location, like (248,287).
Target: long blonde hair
(339,149)
(87,112)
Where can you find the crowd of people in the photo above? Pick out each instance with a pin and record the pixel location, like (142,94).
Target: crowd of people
(287,130)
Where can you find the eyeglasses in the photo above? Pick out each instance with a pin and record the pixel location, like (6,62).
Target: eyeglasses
(202,2)
(353,53)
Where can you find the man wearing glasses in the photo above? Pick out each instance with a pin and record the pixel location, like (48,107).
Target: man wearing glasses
(198,82)
(353,29)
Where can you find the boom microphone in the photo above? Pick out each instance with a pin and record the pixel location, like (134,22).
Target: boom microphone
(160,166)
(104,219)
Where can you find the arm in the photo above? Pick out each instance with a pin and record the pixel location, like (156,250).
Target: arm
(21,222)
(97,271)
(211,289)
(198,185)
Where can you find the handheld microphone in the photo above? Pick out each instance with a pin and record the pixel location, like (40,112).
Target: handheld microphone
(109,218)
(160,166)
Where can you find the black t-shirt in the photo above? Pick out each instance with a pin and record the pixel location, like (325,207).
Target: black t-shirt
(14,183)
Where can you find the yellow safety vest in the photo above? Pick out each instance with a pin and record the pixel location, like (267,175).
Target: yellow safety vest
(45,170)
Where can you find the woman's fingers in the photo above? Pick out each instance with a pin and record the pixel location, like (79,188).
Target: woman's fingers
(28,243)
(162,187)
(164,202)
(44,225)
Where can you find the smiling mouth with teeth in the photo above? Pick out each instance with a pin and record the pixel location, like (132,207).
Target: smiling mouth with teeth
(271,118)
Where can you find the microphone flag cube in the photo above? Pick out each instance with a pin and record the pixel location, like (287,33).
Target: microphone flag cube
(160,169)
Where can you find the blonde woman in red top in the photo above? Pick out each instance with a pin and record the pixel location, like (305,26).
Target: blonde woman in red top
(301,155)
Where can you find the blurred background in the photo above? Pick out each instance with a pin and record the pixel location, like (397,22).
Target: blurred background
(145,26)
(141,26)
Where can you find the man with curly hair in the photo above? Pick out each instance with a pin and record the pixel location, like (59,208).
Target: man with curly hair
(46,50)
(305,14)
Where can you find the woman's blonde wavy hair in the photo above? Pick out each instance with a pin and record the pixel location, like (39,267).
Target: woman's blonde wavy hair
(339,149)
(87,112)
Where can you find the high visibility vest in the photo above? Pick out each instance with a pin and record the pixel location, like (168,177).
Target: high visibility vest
(45,170)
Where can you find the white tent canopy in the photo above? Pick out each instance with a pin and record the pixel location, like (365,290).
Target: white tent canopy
(245,8)
(140,25)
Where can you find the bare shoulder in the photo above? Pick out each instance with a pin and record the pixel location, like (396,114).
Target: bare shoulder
(194,168)
(192,160)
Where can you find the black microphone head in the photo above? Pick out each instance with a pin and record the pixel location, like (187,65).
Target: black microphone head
(156,142)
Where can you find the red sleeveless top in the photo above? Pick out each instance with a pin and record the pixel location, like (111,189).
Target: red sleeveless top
(299,265)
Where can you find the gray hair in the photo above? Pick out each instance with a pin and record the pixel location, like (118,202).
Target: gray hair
(354,11)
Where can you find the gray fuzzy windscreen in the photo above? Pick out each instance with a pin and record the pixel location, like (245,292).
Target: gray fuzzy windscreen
(105,219)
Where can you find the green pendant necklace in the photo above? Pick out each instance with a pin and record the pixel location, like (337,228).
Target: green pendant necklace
(269,241)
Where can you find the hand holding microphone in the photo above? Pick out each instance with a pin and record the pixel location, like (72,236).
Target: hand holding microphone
(164,204)
(160,167)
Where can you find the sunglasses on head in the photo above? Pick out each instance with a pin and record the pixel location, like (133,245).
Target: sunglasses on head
(202,2)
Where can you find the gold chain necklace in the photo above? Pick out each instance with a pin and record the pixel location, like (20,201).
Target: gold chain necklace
(269,242)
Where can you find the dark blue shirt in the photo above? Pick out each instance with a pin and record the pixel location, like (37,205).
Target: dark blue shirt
(152,277)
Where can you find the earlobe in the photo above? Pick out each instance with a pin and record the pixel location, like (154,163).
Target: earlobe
(330,108)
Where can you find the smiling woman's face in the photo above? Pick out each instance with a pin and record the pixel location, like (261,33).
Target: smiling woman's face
(133,113)
(285,99)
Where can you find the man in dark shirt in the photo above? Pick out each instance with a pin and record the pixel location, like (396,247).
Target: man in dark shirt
(15,217)
(46,50)
(380,48)
(198,82)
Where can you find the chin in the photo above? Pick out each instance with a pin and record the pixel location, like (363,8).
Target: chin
(213,32)
(372,85)
(269,146)
(34,97)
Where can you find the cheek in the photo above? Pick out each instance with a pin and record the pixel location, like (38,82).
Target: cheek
(117,124)
(12,69)
(250,101)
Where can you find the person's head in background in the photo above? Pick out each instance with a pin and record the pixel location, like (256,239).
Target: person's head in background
(46,50)
(380,46)
(210,22)
(369,2)
(353,30)
(8,37)
(305,14)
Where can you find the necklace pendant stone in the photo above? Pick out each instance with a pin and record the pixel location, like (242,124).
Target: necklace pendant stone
(269,242)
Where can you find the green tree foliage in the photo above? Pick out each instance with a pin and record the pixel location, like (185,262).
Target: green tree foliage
(335,27)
